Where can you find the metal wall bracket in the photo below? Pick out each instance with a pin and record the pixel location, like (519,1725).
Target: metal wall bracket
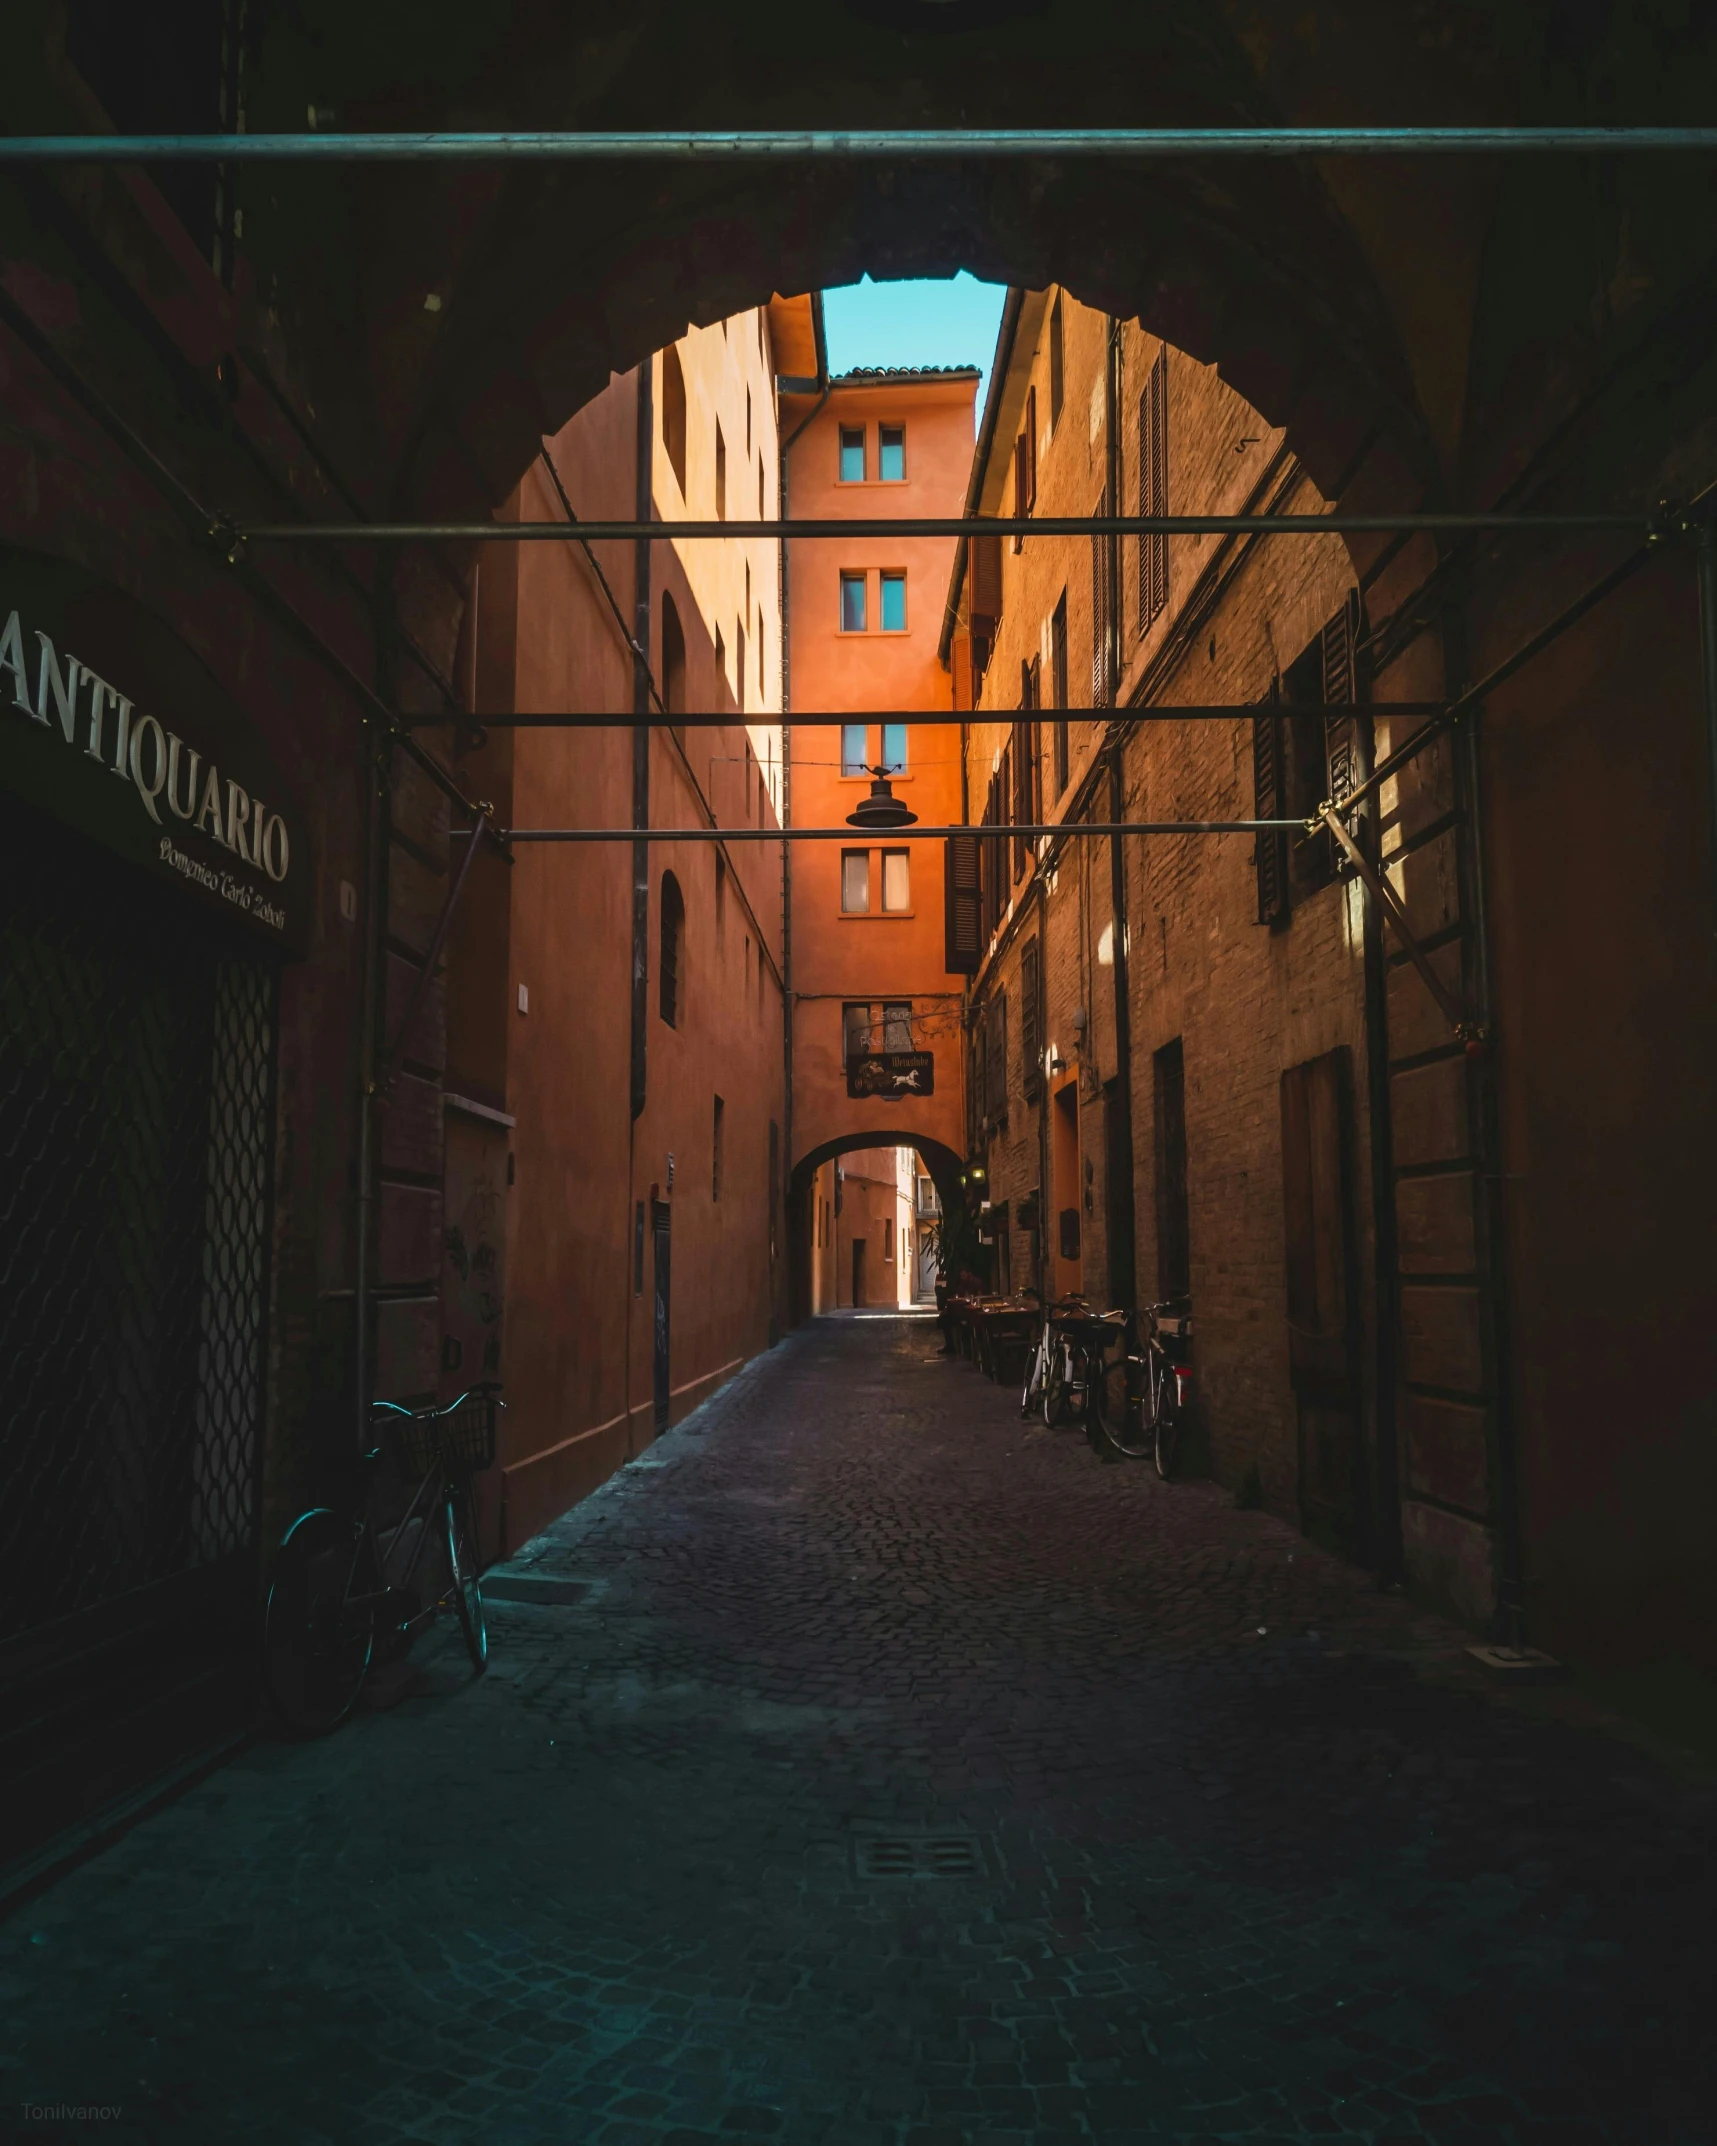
(1390,903)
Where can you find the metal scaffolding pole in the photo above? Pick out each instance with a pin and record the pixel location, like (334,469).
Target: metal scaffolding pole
(890,837)
(848,145)
(233,538)
(930,718)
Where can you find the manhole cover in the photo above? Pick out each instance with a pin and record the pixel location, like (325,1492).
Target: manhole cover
(924,1855)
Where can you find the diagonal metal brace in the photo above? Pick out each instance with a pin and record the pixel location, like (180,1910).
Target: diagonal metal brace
(1390,902)
(389,1067)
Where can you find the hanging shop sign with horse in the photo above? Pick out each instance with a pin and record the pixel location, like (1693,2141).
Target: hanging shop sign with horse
(891,1076)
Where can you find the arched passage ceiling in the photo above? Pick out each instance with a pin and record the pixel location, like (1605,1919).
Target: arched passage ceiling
(1446,309)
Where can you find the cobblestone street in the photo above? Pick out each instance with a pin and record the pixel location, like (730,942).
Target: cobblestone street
(901,1774)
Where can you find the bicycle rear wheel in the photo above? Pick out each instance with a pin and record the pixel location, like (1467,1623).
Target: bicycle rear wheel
(463,1566)
(1117,1407)
(316,1643)
(1165,1441)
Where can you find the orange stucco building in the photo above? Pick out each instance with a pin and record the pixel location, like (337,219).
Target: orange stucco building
(866,917)
(614,1091)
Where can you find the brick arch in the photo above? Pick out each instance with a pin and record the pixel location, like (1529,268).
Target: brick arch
(939,1159)
(1289,317)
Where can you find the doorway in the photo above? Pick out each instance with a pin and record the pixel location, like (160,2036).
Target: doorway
(858,1271)
(1064,1163)
(1317,1201)
(661,1237)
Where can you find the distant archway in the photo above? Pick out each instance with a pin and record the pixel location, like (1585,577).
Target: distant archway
(940,1160)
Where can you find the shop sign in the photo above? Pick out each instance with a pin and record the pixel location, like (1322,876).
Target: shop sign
(111,725)
(891,1076)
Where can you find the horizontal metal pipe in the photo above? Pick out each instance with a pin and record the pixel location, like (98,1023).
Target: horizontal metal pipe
(847,144)
(933,718)
(931,525)
(887,837)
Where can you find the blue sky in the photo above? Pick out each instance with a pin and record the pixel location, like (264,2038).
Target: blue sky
(945,323)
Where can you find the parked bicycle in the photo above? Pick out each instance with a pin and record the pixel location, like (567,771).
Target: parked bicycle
(1139,1397)
(346,1583)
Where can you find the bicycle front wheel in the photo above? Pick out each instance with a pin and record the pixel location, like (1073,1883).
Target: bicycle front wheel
(463,1566)
(1055,1378)
(316,1641)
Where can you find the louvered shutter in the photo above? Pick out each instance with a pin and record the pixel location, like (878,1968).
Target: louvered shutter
(1270,852)
(996,1058)
(963,904)
(1154,491)
(1031,1020)
(1100,612)
(1342,747)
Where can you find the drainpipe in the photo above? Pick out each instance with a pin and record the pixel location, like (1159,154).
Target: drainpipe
(1123,1253)
(1123,1262)
(644,488)
(643,493)
(783,598)
(375,896)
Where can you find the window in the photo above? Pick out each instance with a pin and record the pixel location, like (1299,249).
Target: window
(852,454)
(891,453)
(762,515)
(720,657)
(894,748)
(855,1032)
(855,747)
(897,1025)
(1031,1019)
(739,664)
(1154,491)
(1023,756)
(720,898)
(674,415)
(888,1239)
(995,1019)
(1058,653)
(720,476)
(1025,463)
(1102,556)
(1057,364)
(893,603)
(852,603)
(855,882)
(673,932)
(896,882)
(715,1150)
(748,422)
(1174,1256)
(761,689)
(673,664)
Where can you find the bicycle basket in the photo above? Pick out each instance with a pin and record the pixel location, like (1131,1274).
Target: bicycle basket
(459,1437)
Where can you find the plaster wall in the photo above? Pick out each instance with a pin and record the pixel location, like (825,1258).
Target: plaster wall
(875,957)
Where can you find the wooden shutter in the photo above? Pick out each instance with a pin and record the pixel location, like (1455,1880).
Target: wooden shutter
(1154,491)
(1030,450)
(963,904)
(984,583)
(1100,682)
(996,1058)
(1270,851)
(1322,1307)
(1031,1020)
(1342,743)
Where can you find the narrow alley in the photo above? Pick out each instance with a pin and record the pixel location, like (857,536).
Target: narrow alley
(882,1770)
